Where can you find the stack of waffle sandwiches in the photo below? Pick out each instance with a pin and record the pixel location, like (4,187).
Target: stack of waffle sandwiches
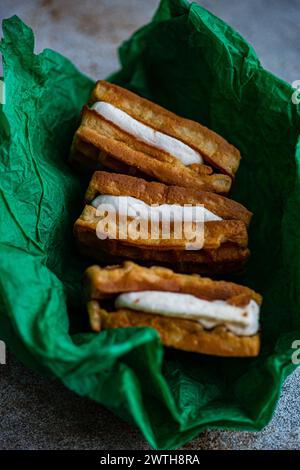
(152,172)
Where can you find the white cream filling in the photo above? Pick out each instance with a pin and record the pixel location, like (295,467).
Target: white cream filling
(146,134)
(133,207)
(242,321)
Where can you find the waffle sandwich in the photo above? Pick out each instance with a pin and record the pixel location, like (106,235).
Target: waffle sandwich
(128,134)
(224,242)
(190,312)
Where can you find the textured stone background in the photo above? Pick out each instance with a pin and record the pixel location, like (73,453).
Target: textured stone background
(37,413)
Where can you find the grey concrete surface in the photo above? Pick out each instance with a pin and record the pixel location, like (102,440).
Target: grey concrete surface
(37,413)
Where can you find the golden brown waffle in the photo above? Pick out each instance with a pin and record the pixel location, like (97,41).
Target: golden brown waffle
(103,182)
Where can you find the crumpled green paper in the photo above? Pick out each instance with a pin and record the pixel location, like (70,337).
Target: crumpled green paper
(194,64)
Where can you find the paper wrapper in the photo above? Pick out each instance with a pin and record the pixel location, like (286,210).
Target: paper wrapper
(194,64)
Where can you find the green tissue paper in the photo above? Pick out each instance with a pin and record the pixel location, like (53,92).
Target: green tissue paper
(192,63)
